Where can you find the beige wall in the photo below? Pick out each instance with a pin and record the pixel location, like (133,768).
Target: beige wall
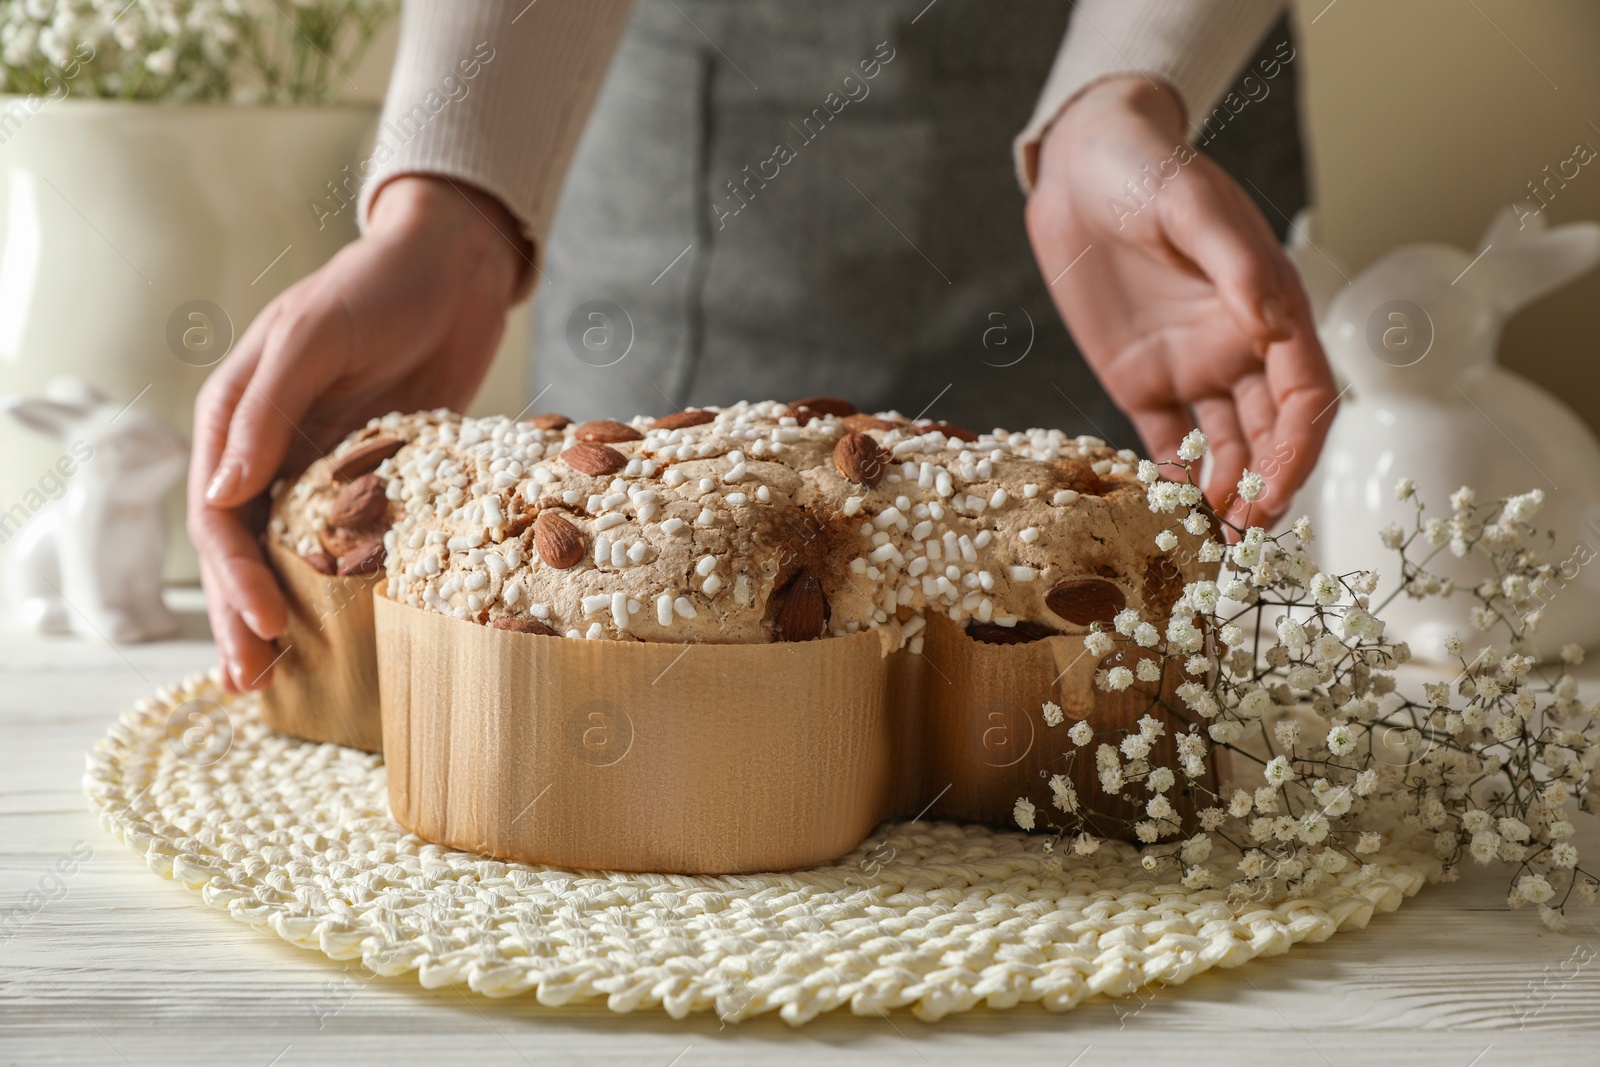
(1423,118)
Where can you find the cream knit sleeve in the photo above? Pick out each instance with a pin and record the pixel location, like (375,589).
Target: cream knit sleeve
(494,93)
(1194,46)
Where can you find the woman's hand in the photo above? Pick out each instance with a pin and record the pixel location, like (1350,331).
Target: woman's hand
(1182,301)
(405,318)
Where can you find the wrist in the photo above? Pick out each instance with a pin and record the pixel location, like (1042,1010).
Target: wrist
(433,210)
(1125,96)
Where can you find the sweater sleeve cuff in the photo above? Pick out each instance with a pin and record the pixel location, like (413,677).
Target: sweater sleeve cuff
(494,93)
(1195,47)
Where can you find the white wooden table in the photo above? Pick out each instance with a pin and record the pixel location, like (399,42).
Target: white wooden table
(125,967)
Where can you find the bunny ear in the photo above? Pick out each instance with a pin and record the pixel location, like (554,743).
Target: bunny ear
(70,389)
(49,417)
(1320,272)
(1515,222)
(1523,265)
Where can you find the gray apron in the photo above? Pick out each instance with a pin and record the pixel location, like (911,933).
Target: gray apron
(775,200)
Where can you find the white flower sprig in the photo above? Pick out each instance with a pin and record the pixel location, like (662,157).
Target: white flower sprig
(1287,669)
(185,51)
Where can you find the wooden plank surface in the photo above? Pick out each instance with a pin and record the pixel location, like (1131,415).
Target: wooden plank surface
(126,967)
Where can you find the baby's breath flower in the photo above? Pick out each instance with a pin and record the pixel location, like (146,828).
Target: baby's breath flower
(1313,827)
(1524,507)
(1251,485)
(1149,473)
(1023,812)
(1405,489)
(1225,733)
(1063,794)
(1278,772)
(1341,740)
(1462,498)
(1053,715)
(1081,733)
(1534,889)
(1193,446)
(1098,643)
(1197,849)
(1514,829)
(1183,636)
(1336,802)
(1202,596)
(1254,704)
(1163,497)
(1287,731)
(1196,523)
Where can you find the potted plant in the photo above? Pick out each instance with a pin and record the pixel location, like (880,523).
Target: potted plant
(166,167)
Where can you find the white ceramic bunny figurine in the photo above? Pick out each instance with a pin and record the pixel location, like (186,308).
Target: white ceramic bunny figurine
(1414,335)
(88,547)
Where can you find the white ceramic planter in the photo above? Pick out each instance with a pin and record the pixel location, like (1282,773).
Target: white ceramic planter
(1415,336)
(115,215)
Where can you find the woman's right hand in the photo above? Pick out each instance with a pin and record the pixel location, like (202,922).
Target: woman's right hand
(406,318)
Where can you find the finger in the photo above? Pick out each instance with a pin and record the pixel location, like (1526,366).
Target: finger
(1161,429)
(227,542)
(246,658)
(300,354)
(1229,450)
(1305,401)
(1211,221)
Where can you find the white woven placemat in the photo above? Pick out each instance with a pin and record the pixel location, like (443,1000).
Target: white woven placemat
(933,916)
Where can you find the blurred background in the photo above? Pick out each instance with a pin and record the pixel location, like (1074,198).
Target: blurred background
(121,222)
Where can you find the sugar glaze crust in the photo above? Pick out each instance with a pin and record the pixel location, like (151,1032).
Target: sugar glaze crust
(305,510)
(714,518)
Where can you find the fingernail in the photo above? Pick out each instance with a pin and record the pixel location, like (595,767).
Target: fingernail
(225,481)
(252,620)
(1275,317)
